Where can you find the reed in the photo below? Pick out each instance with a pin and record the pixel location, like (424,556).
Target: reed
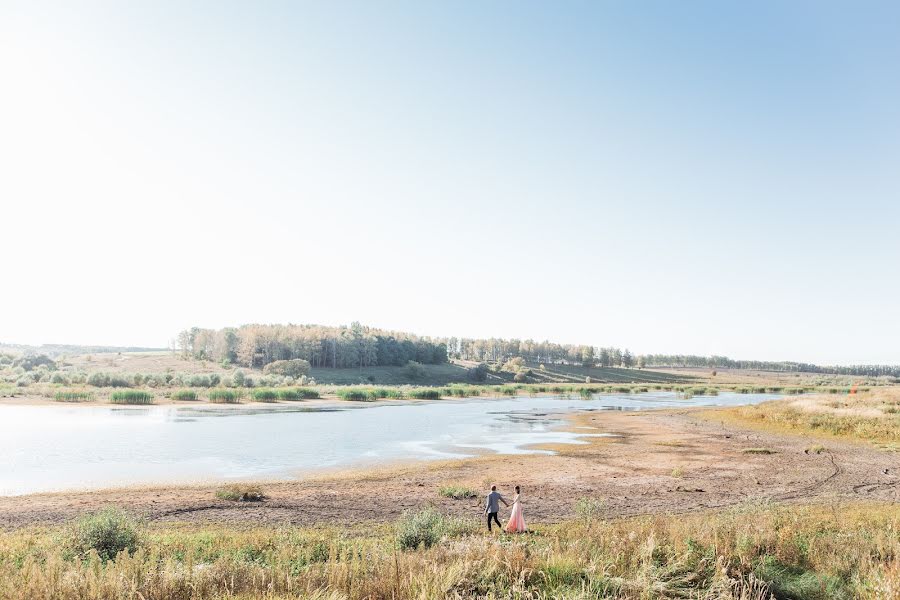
(264,395)
(223,396)
(131,397)
(425,394)
(73,396)
(355,394)
(184,395)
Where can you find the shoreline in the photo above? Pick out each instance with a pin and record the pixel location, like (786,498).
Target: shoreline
(664,461)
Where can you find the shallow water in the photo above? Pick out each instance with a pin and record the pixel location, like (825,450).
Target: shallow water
(51,448)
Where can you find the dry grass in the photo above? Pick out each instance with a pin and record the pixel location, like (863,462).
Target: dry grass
(866,416)
(848,551)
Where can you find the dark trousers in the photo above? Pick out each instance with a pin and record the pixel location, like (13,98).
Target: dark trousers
(496,520)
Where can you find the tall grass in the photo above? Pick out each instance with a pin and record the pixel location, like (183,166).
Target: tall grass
(853,416)
(131,397)
(184,395)
(425,394)
(748,553)
(222,396)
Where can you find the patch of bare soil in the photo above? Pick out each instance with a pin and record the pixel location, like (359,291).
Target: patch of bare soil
(661,462)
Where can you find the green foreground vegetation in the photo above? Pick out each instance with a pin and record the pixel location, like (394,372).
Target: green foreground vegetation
(750,552)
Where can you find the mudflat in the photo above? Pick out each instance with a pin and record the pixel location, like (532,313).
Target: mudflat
(658,462)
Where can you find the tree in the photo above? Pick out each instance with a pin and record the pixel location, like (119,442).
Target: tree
(627,359)
(587,356)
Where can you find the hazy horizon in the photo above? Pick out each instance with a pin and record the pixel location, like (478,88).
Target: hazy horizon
(673,179)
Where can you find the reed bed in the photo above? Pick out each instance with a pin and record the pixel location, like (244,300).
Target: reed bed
(131,397)
(224,396)
(73,396)
(297,394)
(753,552)
(184,395)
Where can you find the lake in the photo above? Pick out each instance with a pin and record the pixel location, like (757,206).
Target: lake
(53,448)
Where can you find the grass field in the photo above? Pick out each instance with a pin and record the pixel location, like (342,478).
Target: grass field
(747,553)
(871,416)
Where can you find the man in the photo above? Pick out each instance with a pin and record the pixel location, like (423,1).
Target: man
(492,507)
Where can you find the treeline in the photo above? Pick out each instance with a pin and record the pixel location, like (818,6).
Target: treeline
(322,346)
(360,346)
(500,350)
(689,360)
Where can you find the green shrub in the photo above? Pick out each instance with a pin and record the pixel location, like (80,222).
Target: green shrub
(221,396)
(71,396)
(425,394)
(264,395)
(184,395)
(107,532)
(131,397)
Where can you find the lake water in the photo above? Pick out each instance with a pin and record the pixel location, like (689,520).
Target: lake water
(51,448)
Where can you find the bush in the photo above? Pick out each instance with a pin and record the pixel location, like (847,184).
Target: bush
(264,395)
(479,373)
(589,509)
(237,378)
(199,381)
(131,397)
(420,529)
(520,377)
(225,396)
(425,394)
(241,493)
(184,395)
(107,532)
(414,370)
(58,377)
(457,492)
(514,365)
(289,368)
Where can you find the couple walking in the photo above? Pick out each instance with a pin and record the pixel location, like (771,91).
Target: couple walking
(492,507)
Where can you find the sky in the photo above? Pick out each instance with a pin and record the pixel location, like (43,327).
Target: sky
(671,177)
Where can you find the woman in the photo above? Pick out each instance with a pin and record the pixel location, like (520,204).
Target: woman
(517,517)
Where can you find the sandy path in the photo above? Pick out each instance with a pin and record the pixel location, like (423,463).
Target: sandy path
(633,474)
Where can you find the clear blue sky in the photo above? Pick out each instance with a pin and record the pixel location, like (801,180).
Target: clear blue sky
(696,177)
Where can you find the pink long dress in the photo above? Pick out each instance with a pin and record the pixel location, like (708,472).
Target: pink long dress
(516,517)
